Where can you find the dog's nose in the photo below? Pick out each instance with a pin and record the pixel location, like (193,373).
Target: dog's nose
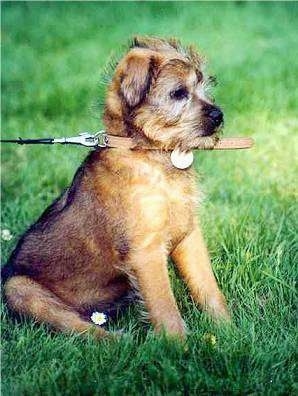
(216,115)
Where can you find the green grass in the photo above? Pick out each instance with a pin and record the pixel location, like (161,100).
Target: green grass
(52,54)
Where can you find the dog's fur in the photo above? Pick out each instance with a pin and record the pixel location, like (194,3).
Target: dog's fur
(126,210)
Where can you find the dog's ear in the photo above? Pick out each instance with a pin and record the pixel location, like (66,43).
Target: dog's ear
(137,72)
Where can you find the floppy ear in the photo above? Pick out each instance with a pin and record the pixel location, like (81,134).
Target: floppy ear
(136,77)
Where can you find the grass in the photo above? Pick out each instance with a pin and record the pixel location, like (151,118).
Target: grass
(52,54)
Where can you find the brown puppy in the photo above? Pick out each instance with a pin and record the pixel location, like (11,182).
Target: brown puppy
(127,210)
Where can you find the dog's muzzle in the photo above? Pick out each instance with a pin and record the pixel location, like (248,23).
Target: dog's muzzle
(213,118)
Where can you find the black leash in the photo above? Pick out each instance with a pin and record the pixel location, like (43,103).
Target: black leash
(98,139)
(28,141)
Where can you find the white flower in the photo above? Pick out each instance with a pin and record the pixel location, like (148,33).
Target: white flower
(6,235)
(98,318)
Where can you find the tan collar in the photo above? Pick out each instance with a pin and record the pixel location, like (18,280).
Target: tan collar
(231,143)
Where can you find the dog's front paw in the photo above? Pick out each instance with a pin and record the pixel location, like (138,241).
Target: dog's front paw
(218,310)
(174,329)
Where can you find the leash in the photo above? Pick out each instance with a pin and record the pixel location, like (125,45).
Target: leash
(101,139)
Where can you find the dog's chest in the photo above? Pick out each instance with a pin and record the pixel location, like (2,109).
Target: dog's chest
(183,196)
(147,197)
(168,199)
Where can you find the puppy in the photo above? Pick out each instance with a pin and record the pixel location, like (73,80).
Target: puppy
(127,210)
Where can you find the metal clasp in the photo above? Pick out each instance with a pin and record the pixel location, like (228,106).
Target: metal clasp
(102,139)
(98,139)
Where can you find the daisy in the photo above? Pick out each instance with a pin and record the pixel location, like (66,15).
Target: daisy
(98,318)
(6,235)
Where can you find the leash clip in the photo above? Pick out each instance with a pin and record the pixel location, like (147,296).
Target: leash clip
(102,138)
(98,139)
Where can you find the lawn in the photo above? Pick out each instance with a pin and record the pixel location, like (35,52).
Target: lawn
(52,58)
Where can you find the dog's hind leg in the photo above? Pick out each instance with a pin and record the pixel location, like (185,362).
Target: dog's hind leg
(28,297)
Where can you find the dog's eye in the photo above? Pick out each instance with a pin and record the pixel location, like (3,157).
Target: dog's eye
(179,94)
(199,76)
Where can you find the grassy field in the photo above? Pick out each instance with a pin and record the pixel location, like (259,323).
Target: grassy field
(52,56)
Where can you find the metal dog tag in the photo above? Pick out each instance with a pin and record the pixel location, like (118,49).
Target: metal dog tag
(180,159)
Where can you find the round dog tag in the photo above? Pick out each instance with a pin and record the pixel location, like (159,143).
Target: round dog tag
(180,159)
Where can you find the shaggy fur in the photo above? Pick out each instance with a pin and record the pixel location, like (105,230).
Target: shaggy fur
(127,210)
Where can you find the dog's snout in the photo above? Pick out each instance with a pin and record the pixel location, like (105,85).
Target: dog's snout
(216,115)
(213,113)
(212,119)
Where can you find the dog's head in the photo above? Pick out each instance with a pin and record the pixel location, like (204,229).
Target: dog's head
(158,94)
